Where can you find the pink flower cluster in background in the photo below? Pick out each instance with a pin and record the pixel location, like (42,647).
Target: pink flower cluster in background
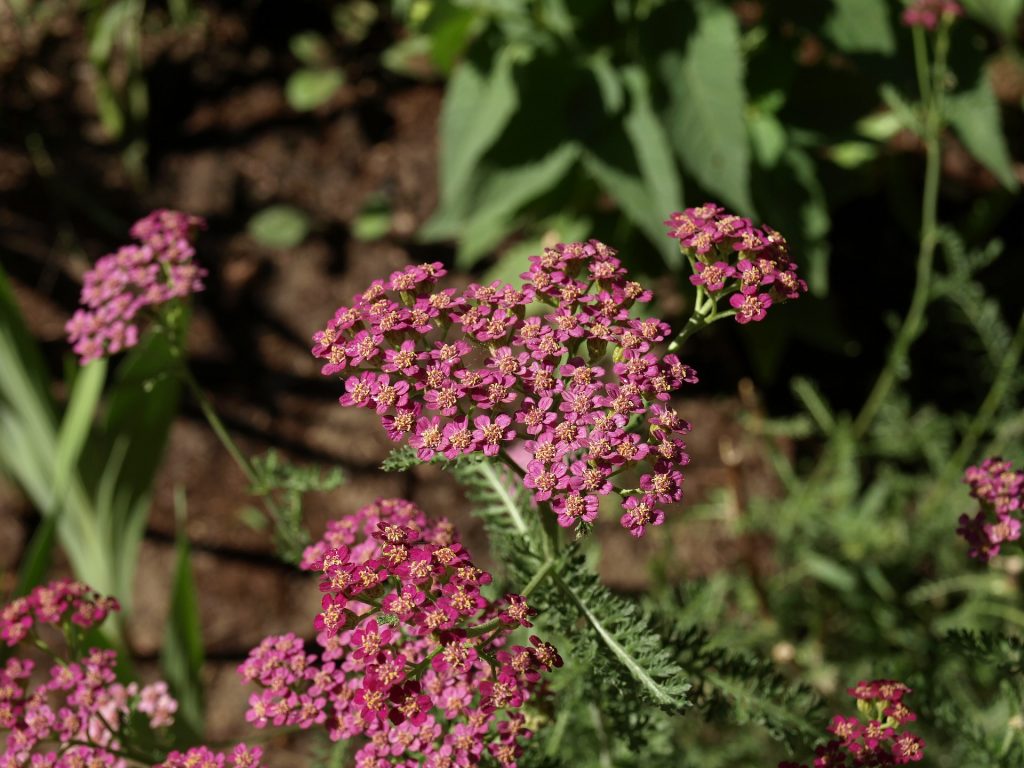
(928,13)
(731,257)
(876,737)
(559,369)
(413,657)
(121,285)
(76,715)
(72,715)
(1000,491)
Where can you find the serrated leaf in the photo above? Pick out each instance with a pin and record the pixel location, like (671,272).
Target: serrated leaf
(708,103)
(503,194)
(635,201)
(861,26)
(307,89)
(477,107)
(401,459)
(279,226)
(975,117)
(652,149)
(1001,15)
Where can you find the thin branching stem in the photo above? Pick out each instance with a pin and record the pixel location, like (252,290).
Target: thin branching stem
(933,85)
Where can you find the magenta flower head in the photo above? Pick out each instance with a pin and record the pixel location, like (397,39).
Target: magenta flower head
(122,286)
(559,376)
(999,491)
(422,671)
(876,737)
(731,257)
(928,13)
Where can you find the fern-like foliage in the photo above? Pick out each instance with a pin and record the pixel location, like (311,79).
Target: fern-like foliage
(1004,653)
(284,485)
(401,459)
(744,689)
(621,637)
(636,661)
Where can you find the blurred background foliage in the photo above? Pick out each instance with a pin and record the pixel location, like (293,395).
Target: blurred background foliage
(566,119)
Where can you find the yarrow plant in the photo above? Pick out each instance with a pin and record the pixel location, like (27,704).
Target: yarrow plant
(999,489)
(76,714)
(414,659)
(124,286)
(556,376)
(876,737)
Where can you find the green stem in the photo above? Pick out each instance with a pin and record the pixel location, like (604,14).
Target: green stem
(996,393)
(217,425)
(534,582)
(913,322)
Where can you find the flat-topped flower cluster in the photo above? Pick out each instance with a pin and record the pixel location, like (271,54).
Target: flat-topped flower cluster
(876,738)
(999,490)
(732,257)
(122,285)
(413,657)
(74,716)
(559,368)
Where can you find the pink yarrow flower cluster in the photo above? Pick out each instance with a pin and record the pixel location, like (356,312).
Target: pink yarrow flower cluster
(557,372)
(73,714)
(241,756)
(928,13)
(1000,491)
(731,257)
(122,285)
(412,657)
(875,738)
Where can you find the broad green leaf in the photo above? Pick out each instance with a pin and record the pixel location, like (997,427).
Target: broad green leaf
(279,226)
(852,154)
(613,94)
(409,57)
(373,222)
(110,25)
(503,194)
(861,26)
(708,103)
(182,654)
(652,148)
(1001,15)
(975,116)
(767,137)
(310,48)
(635,201)
(477,108)
(308,89)
(449,28)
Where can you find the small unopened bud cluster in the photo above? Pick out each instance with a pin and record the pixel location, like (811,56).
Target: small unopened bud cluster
(122,285)
(557,368)
(875,738)
(928,13)
(1000,491)
(731,257)
(413,658)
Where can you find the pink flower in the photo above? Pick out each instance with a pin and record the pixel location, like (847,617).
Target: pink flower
(121,285)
